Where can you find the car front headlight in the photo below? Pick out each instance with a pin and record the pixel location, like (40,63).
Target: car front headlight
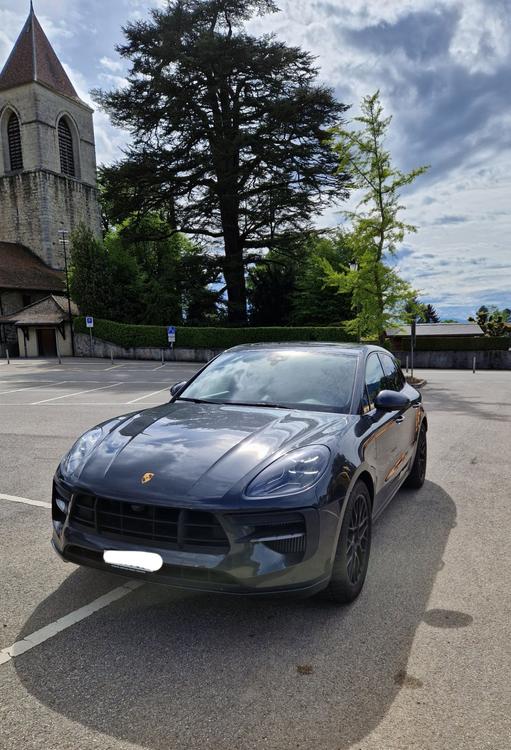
(294,472)
(73,462)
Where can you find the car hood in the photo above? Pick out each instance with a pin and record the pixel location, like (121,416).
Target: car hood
(198,451)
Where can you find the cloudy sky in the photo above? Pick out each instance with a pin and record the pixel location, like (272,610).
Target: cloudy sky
(444,71)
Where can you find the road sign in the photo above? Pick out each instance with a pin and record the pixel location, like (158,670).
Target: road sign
(89,321)
(171,334)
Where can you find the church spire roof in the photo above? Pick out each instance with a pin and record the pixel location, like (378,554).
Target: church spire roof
(33,59)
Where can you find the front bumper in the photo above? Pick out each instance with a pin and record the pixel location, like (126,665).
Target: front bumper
(274,551)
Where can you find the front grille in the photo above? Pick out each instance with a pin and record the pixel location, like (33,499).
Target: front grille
(172,527)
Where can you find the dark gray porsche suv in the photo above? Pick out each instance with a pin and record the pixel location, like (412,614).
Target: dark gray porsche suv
(262,475)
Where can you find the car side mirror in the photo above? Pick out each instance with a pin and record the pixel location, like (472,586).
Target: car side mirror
(391,401)
(176,389)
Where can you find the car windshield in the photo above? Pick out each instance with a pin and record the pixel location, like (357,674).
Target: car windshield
(290,378)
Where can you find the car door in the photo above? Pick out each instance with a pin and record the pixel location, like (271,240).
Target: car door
(384,443)
(395,381)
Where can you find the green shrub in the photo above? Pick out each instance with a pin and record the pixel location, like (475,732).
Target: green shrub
(128,336)
(454,343)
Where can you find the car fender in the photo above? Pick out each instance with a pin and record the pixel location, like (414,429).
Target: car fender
(360,470)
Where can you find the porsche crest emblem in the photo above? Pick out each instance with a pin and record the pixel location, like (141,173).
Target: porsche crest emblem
(147,477)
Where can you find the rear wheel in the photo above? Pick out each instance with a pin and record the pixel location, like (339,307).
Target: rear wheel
(352,554)
(417,475)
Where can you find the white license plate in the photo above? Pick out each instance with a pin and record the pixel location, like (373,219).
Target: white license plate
(141,562)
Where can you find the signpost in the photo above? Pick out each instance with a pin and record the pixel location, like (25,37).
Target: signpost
(89,322)
(171,338)
(413,339)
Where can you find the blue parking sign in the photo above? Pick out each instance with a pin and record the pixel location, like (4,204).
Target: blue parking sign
(89,321)
(171,334)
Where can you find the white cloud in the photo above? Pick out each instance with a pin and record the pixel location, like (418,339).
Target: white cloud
(114,66)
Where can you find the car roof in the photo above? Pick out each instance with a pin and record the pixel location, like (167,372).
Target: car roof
(347,347)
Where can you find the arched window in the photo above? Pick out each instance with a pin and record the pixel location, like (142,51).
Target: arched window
(67,157)
(14,143)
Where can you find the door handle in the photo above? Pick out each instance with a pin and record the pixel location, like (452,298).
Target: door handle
(398,420)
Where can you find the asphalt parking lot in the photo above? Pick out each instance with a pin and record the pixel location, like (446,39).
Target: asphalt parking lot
(420,661)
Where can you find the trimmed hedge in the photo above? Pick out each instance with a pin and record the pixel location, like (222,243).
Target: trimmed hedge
(128,336)
(455,343)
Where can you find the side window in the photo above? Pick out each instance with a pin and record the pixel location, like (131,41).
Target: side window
(374,378)
(394,379)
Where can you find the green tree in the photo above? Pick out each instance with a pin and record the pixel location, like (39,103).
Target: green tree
(173,275)
(379,294)
(229,132)
(492,321)
(90,273)
(271,285)
(430,314)
(316,300)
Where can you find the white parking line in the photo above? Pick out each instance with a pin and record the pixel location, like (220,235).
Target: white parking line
(43,634)
(33,387)
(114,367)
(25,500)
(75,393)
(147,395)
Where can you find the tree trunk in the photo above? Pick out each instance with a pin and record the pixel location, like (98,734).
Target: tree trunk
(234,270)
(234,274)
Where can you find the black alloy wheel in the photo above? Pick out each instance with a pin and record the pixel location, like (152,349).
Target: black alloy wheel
(417,474)
(358,538)
(352,554)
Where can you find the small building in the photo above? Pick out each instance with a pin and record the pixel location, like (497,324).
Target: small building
(401,334)
(24,279)
(44,327)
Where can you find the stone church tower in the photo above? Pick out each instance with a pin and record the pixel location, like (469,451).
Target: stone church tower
(47,159)
(47,171)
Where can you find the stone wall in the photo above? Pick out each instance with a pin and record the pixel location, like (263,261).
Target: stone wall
(450,360)
(490,360)
(34,206)
(106,349)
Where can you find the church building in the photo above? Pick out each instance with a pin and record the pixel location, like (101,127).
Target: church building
(47,179)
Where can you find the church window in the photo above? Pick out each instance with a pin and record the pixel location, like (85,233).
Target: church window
(14,142)
(67,159)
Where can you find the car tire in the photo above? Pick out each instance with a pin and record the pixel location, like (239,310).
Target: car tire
(417,475)
(353,547)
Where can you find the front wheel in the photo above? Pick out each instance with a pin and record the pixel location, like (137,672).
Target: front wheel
(352,553)
(417,475)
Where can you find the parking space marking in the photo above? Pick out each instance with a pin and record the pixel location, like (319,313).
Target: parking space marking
(25,500)
(147,395)
(114,367)
(33,387)
(43,634)
(75,393)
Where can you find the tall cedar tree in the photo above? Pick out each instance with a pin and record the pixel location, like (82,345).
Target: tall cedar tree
(229,132)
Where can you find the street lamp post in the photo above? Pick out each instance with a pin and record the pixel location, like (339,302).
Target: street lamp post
(63,241)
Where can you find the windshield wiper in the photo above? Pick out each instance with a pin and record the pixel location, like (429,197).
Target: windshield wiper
(257,403)
(197,400)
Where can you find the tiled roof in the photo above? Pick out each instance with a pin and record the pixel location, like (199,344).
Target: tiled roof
(33,59)
(51,310)
(21,269)
(438,329)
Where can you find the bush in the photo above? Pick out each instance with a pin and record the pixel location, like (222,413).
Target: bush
(128,336)
(454,343)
